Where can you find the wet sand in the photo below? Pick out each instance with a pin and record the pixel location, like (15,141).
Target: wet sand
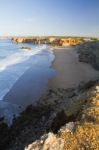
(70,72)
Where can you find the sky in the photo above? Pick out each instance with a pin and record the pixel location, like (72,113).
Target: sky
(49,17)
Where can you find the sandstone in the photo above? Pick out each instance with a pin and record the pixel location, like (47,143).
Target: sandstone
(54,41)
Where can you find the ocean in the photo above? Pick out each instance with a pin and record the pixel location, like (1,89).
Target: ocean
(14,62)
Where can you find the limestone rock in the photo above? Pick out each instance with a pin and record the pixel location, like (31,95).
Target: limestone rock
(47,142)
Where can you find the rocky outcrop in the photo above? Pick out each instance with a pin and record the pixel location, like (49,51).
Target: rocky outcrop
(89,53)
(24,40)
(55,123)
(81,134)
(48,142)
(30,40)
(26,48)
(63,42)
(70,42)
(18,40)
(51,41)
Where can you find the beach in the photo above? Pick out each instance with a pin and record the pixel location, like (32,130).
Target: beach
(70,72)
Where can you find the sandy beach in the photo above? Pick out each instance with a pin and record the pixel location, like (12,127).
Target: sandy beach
(70,72)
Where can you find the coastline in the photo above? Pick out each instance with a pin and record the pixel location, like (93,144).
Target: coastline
(69,74)
(61,111)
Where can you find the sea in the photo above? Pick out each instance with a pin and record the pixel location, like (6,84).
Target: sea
(16,60)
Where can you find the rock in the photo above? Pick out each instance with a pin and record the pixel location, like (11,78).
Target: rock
(26,48)
(53,143)
(69,127)
(89,53)
(74,123)
(47,142)
(97,89)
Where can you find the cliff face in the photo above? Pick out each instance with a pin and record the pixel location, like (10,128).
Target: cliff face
(81,134)
(70,41)
(24,40)
(55,125)
(52,41)
(89,53)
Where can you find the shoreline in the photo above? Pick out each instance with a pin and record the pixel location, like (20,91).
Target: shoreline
(70,72)
(65,78)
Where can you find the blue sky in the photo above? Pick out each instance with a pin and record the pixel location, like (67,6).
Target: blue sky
(49,17)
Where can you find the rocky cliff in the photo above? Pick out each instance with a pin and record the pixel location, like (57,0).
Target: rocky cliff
(89,53)
(55,124)
(81,134)
(25,40)
(48,40)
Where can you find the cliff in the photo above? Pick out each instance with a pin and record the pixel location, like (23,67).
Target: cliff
(89,53)
(24,40)
(48,40)
(53,125)
(81,134)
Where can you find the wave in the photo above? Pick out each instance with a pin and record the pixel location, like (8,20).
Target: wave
(14,65)
(19,57)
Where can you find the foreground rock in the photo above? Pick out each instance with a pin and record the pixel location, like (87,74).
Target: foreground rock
(48,141)
(79,135)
